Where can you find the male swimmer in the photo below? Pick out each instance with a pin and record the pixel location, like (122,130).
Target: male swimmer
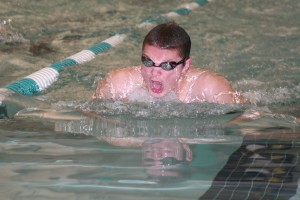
(167,73)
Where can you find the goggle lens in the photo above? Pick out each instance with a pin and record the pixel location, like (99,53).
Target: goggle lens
(165,65)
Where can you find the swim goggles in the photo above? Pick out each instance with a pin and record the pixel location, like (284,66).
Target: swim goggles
(165,65)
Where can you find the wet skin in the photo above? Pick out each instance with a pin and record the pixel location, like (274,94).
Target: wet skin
(185,82)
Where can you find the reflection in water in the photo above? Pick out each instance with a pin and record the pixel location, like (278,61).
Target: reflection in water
(174,153)
(166,158)
(161,119)
(3,112)
(266,166)
(168,165)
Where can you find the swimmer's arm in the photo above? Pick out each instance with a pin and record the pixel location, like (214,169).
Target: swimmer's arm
(116,85)
(123,141)
(106,88)
(103,90)
(216,89)
(139,141)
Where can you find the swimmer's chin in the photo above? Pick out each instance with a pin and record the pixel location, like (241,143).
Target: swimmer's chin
(157,96)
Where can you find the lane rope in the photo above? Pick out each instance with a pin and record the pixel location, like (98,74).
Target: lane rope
(42,79)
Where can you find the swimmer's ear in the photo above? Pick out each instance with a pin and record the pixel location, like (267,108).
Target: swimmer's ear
(187,65)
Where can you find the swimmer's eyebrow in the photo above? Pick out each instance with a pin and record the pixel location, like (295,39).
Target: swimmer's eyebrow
(144,55)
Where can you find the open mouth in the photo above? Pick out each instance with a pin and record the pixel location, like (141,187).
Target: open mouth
(156,86)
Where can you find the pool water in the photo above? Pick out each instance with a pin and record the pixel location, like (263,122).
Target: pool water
(51,149)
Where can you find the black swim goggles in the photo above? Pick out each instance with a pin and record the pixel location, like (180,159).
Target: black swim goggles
(165,65)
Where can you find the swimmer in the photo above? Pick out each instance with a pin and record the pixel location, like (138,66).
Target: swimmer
(166,72)
(165,157)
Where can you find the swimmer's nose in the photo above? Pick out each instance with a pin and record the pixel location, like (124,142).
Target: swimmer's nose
(156,71)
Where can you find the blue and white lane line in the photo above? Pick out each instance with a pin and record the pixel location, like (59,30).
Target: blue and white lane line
(42,79)
(182,10)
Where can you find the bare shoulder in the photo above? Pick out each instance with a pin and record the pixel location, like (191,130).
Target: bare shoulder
(212,87)
(213,81)
(118,83)
(121,74)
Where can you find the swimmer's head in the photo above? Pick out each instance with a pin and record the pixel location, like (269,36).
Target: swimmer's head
(162,152)
(166,158)
(169,36)
(165,59)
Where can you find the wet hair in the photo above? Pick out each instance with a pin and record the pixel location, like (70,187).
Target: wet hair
(169,36)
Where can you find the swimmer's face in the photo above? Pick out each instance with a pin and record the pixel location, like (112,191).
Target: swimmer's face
(158,149)
(158,81)
(162,156)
